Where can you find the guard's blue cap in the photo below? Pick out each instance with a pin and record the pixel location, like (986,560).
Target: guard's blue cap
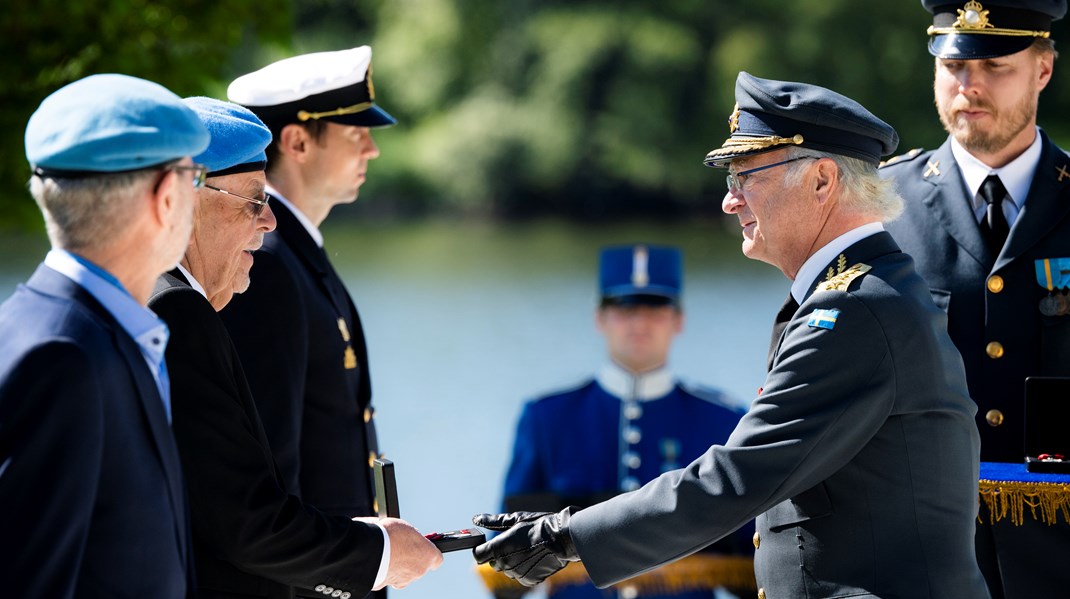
(640,274)
(329,86)
(238,137)
(770,115)
(108,124)
(971,30)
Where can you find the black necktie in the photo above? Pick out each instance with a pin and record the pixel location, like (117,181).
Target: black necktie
(994,227)
(782,319)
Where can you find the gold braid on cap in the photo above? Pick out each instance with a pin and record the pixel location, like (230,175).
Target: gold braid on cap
(973,18)
(737,145)
(304,115)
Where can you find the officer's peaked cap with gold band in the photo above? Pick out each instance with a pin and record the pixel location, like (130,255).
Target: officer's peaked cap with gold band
(772,115)
(972,30)
(323,86)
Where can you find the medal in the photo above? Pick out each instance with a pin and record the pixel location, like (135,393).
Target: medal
(1048,305)
(1061,304)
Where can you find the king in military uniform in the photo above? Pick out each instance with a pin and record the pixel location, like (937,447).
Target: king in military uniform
(987,220)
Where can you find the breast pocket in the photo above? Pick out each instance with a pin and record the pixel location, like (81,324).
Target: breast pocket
(941,298)
(808,505)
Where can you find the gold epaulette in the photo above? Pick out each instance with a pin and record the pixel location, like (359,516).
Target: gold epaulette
(909,155)
(701,571)
(841,281)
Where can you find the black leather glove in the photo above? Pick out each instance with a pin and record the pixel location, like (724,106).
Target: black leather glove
(533,546)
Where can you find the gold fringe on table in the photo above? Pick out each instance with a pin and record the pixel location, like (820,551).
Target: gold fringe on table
(1003,498)
(695,572)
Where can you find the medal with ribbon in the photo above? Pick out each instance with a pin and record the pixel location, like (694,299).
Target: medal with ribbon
(1053,274)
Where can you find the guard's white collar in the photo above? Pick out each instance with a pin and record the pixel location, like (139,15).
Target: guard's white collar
(627,385)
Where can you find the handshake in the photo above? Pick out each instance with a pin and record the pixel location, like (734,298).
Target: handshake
(532,546)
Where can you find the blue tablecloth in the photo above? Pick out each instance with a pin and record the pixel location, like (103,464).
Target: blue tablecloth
(1006,489)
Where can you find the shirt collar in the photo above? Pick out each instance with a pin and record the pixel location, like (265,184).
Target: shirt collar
(1016,176)
(193,282)
(811,269)
(625,384)
(313,231)
(142,324)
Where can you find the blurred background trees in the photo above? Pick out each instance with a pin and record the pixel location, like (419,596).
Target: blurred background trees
(587,109)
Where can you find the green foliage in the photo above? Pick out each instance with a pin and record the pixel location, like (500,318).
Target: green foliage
(184,45)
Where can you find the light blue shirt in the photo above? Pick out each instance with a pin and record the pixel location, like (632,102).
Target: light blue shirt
(147,330)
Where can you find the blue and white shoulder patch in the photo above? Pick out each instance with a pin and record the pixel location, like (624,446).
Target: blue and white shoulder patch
(823,319)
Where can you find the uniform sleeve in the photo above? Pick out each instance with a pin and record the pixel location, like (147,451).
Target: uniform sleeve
(268,327)
(525,473)
(51,447)
(238,507)
(829,392)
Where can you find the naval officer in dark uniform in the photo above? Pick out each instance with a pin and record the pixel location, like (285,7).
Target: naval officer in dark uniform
(860,456)
(633,421)
(297,329)
(987,220)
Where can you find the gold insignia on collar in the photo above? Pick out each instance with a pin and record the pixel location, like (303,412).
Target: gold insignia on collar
(972,16)
(1061,170)
(843,280)
(841,265)
(932,167)
(733,119)
(343,329)
(350,359)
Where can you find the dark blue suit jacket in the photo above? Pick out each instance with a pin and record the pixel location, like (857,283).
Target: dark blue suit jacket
(250,536)
(91,495)
(316,411)
(939,230)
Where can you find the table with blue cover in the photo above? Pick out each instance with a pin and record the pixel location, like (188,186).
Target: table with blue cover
(1007,489)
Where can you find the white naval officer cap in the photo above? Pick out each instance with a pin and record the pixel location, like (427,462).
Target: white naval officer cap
(322,86)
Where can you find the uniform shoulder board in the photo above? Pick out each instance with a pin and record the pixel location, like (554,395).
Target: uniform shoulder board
(843,280)
(911,155)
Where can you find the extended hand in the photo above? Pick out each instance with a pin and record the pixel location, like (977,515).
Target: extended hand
(533,546)
(411,554)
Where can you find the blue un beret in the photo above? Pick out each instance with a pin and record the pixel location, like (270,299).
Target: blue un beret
(110,123)
(770,115)
(640,274)
(973,30)
(238,137)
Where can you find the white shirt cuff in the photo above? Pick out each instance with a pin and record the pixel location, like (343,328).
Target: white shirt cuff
(380,577)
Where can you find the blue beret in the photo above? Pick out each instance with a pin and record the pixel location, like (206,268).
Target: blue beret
(238,137)
(330,86)
(770,115)
(111,123)
(640,274)
(971,30)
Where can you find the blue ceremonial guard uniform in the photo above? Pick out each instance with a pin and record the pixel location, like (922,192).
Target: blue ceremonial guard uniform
(619,430)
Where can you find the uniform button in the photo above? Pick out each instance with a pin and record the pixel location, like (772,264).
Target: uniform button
(628,592)
(995,283)
(345,595)
(371,459)
(632,435)
(337,593)
(761,593)
(757,540)
(630,483)
(633,411)
(994,350)
(328,590)
(320,587)
(631,460)
(367,415)
(994,417)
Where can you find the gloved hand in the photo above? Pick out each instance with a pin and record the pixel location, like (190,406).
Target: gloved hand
(533,546)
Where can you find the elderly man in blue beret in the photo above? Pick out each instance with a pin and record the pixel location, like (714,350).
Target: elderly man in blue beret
(987,220)
(93,502)
(859,456)
(252,537)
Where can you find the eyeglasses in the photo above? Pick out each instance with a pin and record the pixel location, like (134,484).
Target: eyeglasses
(736,180)
(259,205)
(200,172)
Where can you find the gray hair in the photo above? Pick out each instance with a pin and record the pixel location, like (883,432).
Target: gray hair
(866,193)
(88,212)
